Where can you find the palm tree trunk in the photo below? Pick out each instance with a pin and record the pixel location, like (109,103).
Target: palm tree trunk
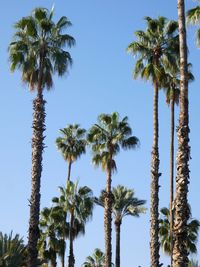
(71,261)
(180,253)
(172,173)
(117,254)
(63,251)
(69,171)
(37,149)
(154,242)
(108,221)
(53,259)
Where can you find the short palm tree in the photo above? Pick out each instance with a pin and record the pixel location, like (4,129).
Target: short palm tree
(106,138)
(78,203)
(165,236)
(12,251)
(96,260)
(156,49)
(181,211)
(72,145)
(38,50)
(51,242)
(124,203)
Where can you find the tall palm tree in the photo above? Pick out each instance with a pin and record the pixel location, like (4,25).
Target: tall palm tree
(181,214)
(171,83)
(78,202)
(38,50)
(12,250)
(106,138)
(72,145)
(165,236)
(124,203)
(156,48)
(96,260)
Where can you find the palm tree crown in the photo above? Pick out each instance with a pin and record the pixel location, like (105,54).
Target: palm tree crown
(72,145)
(193,17)
(38,48)
(96,260)
(157,48)
(107,137)
(124,203)
(12,250)
(164,233)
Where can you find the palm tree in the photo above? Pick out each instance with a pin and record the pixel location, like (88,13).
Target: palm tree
(172,98)
(181,213)
(38,51)
(156,48)
(171,83)
(51,242)
(78,202)
(106,138)
(96,260)
(12,250)
(72,145)
(165,236)
(124,203)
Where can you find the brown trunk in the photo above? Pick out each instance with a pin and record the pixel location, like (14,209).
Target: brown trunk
(172,173)
(117,254)
(154,242)
(71,261)
(63,252)
(108,221)
(180,253)
(37,149)
(53,260)
(69,171)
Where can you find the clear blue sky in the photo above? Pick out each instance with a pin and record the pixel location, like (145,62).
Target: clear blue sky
(99,81)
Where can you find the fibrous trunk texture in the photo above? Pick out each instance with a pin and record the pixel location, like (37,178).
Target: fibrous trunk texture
(37,149)
(180,253)
(71,261)
(154,242)
(108,222)
(172,173)
(117,254)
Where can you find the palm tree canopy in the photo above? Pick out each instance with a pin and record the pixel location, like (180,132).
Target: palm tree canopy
(76,201)
(39,43)
(156,48)
(12,250)
(73,144)
(171,83)
(51,232)
(106,138)
(124,202)
(193,17)
(96,260)
(164,232)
